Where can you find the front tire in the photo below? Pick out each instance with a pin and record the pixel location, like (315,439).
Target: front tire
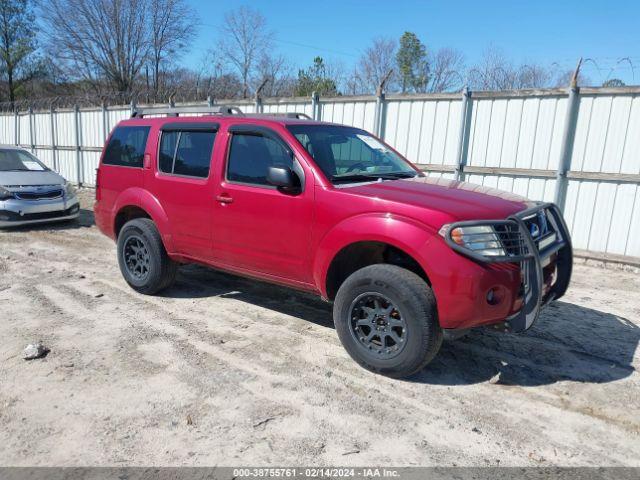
(386,319)
(142,258)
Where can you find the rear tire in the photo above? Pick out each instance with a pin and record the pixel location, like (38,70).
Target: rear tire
(142,258)
(386,319)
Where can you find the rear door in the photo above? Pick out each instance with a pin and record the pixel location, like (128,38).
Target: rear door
(257,226)
(181,181)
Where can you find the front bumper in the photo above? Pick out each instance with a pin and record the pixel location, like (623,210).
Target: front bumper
(533,257)
(15,212)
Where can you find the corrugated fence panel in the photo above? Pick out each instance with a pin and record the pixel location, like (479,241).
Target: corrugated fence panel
(91,128)
(7,129)
(425,131)
(521,131)
(281,107)
(41,128)
(66,128)
(359,113)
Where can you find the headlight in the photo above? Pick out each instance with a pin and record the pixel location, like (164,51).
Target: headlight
(5,194)
(480,239)
(70,189)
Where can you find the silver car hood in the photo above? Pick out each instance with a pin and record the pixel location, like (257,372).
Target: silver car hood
(19,179)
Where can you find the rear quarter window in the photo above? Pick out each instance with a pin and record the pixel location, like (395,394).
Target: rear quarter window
(126,147)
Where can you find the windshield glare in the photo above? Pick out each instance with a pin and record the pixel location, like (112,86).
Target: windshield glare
(347,154)
(19,161)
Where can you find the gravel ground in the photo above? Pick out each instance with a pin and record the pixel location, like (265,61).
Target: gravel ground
(221,370)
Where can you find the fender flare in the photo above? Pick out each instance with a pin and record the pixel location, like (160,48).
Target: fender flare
(143,199)
(400,232)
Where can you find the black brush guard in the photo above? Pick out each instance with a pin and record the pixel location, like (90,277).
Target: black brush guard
(525,250)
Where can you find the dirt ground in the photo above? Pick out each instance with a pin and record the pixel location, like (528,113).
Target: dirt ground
(221,370)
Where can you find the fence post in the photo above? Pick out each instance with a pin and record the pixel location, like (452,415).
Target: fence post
(568,139)
(209,101)
(132,107)
(380,114)
(465,131)
(258,97)
(76,128)
(105,119)
(16,127)
(315,110)
(31,142)
(52,125)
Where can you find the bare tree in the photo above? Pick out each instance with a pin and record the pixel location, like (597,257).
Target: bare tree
(496,72)
(279,76)
(375,63)
(100,39)
(173,24)
(245,38)
(532,75)
(447,67)
(214,80)
(563,79)
(17,42)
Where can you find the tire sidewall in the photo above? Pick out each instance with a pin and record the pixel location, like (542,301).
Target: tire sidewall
(409,308)
(127,232)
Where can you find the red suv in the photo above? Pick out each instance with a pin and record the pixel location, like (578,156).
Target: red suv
(333,210)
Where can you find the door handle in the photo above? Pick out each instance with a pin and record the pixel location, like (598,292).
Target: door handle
(224,198)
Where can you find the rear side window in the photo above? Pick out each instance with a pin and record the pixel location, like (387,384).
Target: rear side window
(126,147)
(252,155)
(186,153)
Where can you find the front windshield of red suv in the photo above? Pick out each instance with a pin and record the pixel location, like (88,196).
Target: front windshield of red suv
(347,155)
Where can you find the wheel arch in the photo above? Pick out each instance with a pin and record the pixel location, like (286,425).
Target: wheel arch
(369,240)
(142,204)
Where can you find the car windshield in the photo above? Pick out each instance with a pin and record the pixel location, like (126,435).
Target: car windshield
(19,161)
(348,155)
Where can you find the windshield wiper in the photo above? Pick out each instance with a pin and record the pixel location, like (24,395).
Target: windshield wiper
(365,177)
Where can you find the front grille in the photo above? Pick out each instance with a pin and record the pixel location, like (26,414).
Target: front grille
(511,239)
(35,195)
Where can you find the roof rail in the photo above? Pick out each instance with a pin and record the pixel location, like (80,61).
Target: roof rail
(298,115)
(186,110)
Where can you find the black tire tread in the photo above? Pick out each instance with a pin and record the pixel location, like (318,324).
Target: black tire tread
(168,268)
(422,299)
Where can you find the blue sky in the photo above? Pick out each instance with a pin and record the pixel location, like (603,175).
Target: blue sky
(542,31)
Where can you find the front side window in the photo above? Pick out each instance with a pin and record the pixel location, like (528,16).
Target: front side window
(19,161)
(250,157)
(126,147)
(348,154)
(186,153)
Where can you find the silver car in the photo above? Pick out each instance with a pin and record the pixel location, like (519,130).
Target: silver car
(32,193)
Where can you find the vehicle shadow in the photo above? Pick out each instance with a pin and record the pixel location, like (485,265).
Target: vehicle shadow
(568,342)
(85,220)
(195,281)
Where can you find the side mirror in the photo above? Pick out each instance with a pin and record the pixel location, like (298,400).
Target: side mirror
(283,177)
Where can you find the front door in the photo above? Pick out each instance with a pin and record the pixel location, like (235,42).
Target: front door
(181,182)
(256,226)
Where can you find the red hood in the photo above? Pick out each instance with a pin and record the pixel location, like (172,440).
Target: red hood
(460,200)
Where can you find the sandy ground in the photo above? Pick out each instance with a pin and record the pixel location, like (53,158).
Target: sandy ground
(226,371)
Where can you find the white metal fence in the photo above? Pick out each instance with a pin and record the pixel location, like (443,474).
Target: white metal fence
(582,150)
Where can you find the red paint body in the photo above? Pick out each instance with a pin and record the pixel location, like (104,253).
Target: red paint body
(292,239)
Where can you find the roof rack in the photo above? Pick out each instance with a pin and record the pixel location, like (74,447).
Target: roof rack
(188,109)
(298,115)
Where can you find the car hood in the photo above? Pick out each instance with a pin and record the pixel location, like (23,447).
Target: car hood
(18,179)
(460,200)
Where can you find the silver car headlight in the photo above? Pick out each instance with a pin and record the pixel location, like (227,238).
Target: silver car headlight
(479,239)
(69,189)
(5,194)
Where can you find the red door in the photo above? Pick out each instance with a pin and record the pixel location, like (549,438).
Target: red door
(181,180)
(257,227)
